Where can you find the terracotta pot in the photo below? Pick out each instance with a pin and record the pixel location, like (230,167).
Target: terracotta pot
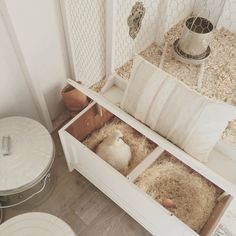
(74,100)
(89,122)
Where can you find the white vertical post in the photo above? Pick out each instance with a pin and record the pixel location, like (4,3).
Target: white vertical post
(201,77)
(163,56)
(66,22)
(162,12)
(217,23)
(110,34)
(66,51)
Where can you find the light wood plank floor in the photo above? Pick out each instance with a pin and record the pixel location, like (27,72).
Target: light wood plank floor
(86,209)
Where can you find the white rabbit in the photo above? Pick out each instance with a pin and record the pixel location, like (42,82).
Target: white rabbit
(115,151)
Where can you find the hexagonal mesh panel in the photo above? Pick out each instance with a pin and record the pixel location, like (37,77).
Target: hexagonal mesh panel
(124,45)
(222,13)
(228,16)
(86,27)
(170,13)
(159,17)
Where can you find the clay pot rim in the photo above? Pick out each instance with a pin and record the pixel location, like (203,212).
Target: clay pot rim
(67,88)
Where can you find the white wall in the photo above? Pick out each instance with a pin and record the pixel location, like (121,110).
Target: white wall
(38,28)
(15,97)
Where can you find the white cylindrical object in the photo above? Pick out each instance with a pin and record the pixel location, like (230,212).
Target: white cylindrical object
(37,224)
(196,36)
(31,154)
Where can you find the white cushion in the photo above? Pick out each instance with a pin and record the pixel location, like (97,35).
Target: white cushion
(191,121)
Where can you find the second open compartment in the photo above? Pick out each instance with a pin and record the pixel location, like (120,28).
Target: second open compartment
(192,198)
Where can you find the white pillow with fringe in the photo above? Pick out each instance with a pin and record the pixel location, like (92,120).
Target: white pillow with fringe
(186,118)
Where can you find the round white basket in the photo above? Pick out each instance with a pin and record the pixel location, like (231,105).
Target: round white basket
(30,158)
(35,224)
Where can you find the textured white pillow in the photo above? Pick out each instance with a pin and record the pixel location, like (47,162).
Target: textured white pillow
(191,121)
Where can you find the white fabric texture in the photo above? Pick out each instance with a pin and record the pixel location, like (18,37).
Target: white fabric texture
(191,121)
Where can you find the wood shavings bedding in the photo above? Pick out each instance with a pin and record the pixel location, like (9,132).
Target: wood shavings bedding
(220,69)
(169,178)
(140,145)
(99,85)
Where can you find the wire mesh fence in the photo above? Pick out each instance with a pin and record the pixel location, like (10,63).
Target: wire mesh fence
(86,27)
(124,46)
(228,16)
(87,30)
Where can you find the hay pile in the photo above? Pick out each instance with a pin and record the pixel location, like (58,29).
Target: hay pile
(140,145)
(169,178)
(220,69)
(99,85)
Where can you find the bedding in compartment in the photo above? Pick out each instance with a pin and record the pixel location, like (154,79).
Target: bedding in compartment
(193,196)
(139,144)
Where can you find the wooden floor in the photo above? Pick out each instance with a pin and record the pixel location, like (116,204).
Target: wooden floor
(87,210)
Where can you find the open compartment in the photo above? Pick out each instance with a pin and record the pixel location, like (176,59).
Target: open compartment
(80,146)
(197,202)
(96,124)
(193,199)
(222,158)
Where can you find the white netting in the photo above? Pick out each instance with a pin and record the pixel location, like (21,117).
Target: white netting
(210,9)
(86,26)
(169,14)
(124,45)
(228,16)
(159,17)
(222,13)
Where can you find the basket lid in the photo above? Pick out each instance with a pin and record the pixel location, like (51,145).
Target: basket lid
(37,224)
(31,154)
